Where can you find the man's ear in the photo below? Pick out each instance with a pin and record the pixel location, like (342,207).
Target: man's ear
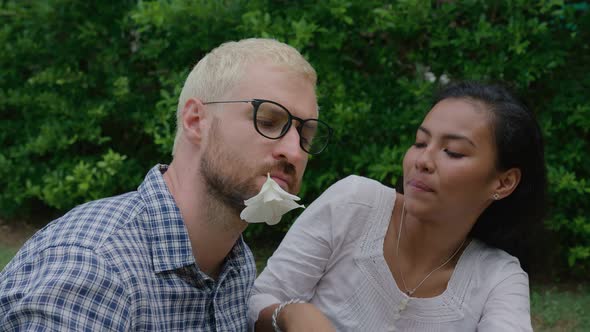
(507,183)
(193,120)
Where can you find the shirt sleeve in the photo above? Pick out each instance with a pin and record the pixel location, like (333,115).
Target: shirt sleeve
(63,289)
(508,305)
(300,261)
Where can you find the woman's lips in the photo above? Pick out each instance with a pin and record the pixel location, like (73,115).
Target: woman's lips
(420,185)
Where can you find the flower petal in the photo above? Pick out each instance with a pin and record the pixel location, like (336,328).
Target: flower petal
(269,205)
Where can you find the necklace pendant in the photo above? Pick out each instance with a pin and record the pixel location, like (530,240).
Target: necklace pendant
(402,305)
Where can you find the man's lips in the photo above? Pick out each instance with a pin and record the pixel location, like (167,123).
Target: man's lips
(282,180)
(420,185)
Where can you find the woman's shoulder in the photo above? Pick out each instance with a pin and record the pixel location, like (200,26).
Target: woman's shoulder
(483,270)
(359,189)
(490,282)
(493,263)
(349,204)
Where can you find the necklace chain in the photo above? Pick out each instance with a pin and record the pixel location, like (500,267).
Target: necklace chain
(409,292)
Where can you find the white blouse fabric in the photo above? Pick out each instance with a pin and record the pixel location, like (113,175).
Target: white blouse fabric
(333,257)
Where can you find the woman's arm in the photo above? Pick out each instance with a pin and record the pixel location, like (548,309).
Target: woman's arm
(294,317)
(299,263)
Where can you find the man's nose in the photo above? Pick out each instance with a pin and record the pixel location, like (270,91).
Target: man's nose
(288,147)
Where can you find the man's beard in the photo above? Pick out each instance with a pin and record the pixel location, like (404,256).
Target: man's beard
(221,173)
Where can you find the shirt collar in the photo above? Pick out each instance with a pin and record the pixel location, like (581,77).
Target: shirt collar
(167,233)
(168,236)
(237,256)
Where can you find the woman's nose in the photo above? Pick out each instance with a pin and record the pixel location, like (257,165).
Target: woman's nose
(425,162)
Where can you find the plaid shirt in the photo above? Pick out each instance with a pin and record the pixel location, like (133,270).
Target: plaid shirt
(119,264)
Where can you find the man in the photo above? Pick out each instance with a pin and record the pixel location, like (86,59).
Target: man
(170,255)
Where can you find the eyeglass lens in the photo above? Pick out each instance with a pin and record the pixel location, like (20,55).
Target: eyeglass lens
(272,121)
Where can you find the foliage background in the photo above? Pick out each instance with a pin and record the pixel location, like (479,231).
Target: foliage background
(88,90)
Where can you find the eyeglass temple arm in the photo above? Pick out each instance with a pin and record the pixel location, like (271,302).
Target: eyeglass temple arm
(227,102)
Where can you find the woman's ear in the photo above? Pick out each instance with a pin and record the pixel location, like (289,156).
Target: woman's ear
(507,183)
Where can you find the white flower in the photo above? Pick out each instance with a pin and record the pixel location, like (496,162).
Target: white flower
(269,204)
(429,76)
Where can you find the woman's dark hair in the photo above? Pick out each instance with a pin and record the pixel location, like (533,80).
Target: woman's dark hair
(507,223)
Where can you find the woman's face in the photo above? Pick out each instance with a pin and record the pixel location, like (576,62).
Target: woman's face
(450,170)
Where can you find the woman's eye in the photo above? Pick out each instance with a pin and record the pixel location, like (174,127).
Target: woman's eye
(419,144)
(453,154)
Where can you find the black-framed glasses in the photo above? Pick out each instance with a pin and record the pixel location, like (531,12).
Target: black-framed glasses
(273,120)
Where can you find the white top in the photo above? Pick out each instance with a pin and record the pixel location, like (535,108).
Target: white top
(333,257)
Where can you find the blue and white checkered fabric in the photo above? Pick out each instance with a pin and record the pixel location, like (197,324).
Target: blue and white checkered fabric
(123,264)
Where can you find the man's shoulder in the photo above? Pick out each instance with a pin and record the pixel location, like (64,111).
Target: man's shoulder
(91,225)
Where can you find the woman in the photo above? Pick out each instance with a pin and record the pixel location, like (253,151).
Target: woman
(365,258)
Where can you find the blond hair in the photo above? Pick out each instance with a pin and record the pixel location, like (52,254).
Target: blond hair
(222,68)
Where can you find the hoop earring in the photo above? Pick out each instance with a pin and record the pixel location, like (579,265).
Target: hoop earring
(495,196)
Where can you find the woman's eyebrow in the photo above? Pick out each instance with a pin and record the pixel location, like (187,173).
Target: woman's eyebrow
(448,136)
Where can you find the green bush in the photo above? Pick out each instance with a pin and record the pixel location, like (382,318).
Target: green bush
(88,90)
